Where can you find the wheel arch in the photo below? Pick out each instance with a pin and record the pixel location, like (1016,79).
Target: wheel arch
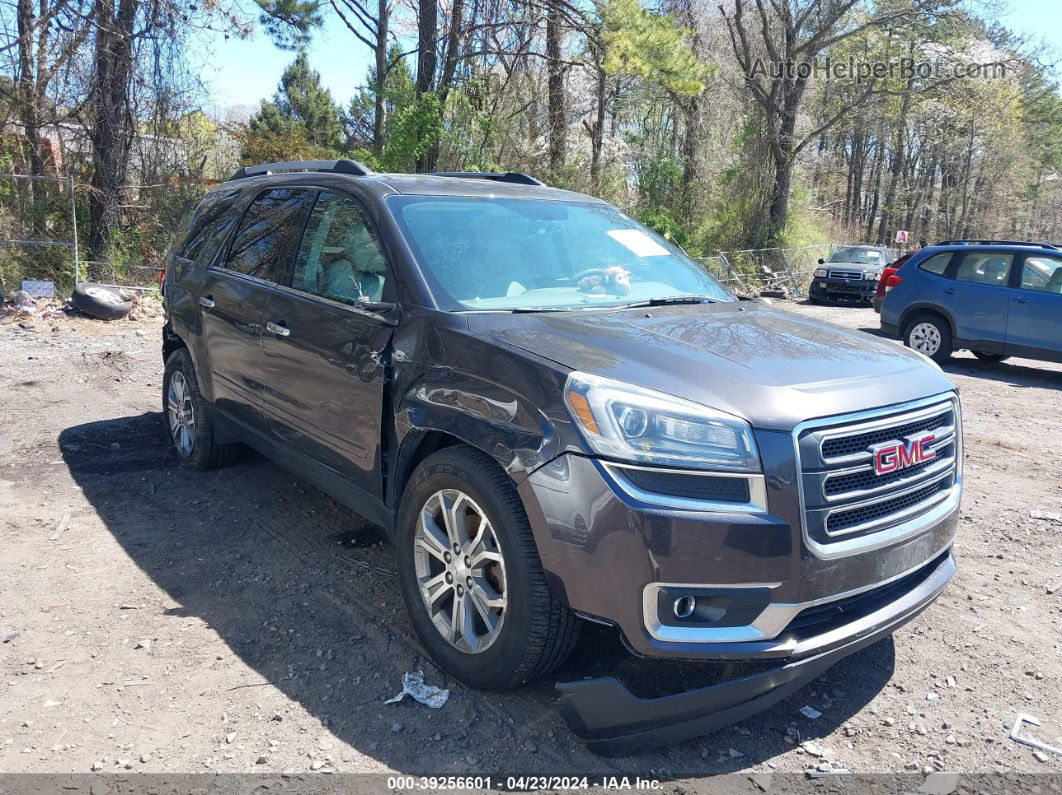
(171,341)
(924,309)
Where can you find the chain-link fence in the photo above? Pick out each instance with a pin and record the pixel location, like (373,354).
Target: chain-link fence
(41,232)
(40,218)
(38,231)
(783,270)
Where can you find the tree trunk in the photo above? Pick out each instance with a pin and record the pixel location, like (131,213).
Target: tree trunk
(28,96)
(427,61)
(555,87)
(597,131)
(379,125)
(898,160)
(111,130)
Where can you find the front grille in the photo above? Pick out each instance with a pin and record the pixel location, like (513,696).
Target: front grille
(691,487)
(846,275)
(867,479)
(849,445)
(842,520)
(845,499)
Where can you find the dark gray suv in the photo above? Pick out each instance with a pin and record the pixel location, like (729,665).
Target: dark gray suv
(558,417)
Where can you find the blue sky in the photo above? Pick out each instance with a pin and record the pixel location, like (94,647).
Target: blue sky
(243,72)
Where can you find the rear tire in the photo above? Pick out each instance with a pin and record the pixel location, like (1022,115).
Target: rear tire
(929,334)
(510,629)
(990,357)
(187,418)
(102,302)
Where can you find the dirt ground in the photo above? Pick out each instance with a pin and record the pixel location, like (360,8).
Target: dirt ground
(153,618)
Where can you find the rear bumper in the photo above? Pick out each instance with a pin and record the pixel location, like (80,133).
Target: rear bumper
(613,721)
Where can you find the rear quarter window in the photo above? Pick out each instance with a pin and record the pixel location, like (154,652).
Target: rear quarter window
(937,264)
(208,227)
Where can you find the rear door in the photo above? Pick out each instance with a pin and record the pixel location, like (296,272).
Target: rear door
(323,349)
(234,296)
(1035,324)
(978,297)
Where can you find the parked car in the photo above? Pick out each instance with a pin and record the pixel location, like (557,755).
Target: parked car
(995,298)
(849,274)
(883,280)
(557,416)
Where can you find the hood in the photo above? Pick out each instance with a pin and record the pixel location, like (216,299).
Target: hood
(862,267)
(769,366)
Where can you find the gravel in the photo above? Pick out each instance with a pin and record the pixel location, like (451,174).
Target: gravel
(259,633)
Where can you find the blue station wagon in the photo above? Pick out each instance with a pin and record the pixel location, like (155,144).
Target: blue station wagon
(995,298)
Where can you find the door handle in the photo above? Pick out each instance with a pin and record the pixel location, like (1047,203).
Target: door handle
(276,328)
(1022,300)
(207,301)
(949,291)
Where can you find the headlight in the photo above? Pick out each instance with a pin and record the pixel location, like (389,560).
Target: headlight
(632,423)
(871,276)
(820,273)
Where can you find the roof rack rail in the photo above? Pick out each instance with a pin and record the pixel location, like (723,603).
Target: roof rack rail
(995,243)
(514,177)
(332,166)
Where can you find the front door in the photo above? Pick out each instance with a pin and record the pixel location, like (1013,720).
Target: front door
(234,296)
(323,353)
(978,298)
(1035,324)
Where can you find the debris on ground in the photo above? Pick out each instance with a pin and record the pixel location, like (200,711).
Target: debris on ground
(1015,735)
(413,686)
(810,712)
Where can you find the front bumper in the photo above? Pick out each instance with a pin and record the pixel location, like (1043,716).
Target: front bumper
(612,720)
(614,559)
(832,289)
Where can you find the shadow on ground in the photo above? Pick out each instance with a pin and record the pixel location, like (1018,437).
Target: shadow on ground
(280,571)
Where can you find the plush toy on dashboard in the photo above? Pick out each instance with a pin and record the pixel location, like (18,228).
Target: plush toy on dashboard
(613,280)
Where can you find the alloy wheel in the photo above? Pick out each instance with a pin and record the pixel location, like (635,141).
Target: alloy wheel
(104,296)
(181,413)
(460,571)
(925,338)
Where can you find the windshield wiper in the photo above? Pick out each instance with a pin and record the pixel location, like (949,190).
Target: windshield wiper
(673,299)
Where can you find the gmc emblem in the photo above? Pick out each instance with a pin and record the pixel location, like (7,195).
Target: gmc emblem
(894,456)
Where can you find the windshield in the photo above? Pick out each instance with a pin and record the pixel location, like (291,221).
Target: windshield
(856,254)
(513,254)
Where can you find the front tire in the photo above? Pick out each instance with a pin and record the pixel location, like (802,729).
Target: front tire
(929,334)
(188,423)
(471,577)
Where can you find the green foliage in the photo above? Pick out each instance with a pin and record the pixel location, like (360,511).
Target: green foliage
(399,93)
(290,23)
(301,116)
(644,44)
(415,129)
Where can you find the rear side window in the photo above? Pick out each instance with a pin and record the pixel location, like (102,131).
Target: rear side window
(209,226)
(1043,274)
(985,267)
(267,237)
(937,264)
(340,258)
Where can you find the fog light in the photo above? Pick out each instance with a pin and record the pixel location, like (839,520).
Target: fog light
(684,606)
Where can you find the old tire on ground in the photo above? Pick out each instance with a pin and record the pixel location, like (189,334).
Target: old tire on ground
(990,357)
(467,560)
(105,303)
(930,334)
(187,420)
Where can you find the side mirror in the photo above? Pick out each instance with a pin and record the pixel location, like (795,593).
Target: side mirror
(822,261)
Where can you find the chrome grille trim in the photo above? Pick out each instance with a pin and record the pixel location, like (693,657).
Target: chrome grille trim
(857,275)
(814,470)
